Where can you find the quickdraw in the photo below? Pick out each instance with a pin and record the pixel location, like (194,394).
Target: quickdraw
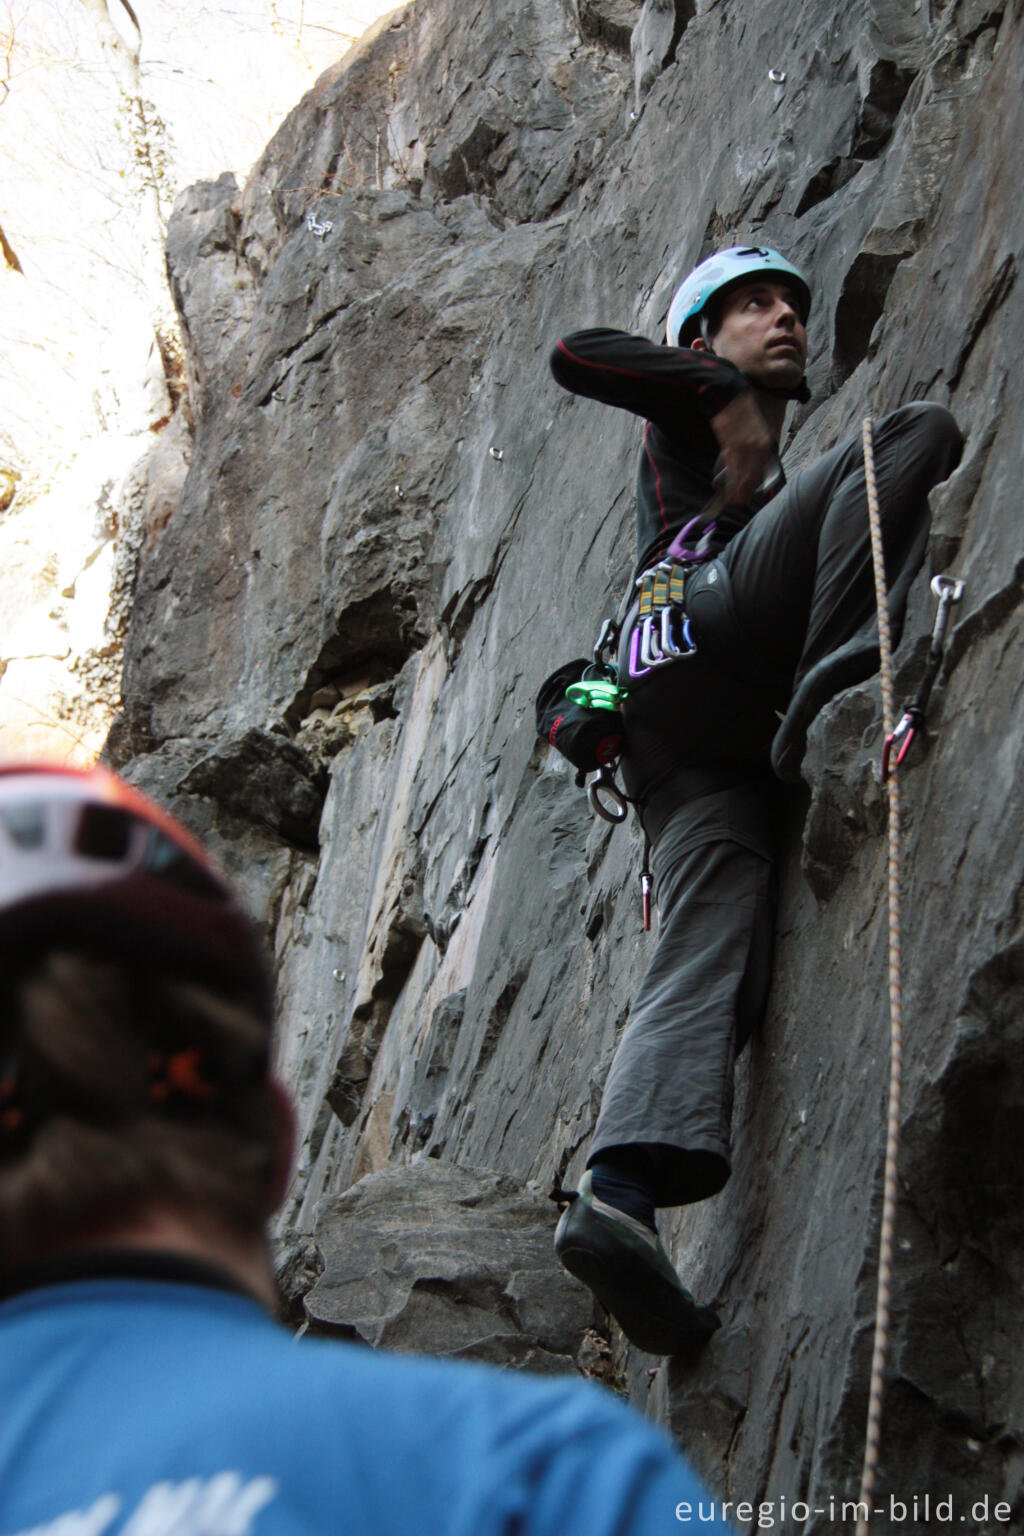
(646,884)
(661,631)
(604,785)
(949,591)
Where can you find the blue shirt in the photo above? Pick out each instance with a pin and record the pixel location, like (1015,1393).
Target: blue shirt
(147,1407)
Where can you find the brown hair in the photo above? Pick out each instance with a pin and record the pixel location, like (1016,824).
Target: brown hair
(123,1087)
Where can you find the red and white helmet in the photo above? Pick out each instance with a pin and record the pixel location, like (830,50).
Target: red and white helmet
(87,862)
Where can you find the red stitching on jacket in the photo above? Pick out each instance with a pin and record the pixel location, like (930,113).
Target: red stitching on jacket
(633,373)
(657,479)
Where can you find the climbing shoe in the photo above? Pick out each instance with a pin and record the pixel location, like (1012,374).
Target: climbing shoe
(629,1272)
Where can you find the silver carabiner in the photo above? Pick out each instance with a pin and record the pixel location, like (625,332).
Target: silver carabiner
(605,640)
(668,642)
(650,652)
(605,784)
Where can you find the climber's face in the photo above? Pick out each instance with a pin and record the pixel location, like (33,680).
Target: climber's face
(760,330)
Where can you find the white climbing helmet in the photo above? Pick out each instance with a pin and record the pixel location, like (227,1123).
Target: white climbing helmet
(717,273)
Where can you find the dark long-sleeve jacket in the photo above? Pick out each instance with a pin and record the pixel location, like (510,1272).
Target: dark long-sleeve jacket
(723,762)
(676,391)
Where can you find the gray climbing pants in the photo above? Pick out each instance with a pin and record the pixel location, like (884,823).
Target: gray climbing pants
(670,1087)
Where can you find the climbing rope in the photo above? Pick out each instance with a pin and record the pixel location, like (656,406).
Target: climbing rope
(885,1247)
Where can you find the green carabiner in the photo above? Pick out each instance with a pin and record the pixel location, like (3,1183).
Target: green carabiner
(600,693)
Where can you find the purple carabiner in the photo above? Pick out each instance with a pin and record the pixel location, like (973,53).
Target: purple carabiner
(635,670)
(679,550)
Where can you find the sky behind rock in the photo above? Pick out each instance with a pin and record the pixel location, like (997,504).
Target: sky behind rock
(220,76)
(83,293)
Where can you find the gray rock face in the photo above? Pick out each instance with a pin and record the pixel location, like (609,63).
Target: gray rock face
(452,1262)
(395,525)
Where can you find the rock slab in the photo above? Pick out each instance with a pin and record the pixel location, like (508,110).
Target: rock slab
(451,1261)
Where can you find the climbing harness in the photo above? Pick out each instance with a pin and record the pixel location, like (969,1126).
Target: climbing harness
(661,629)
(660,635)
(948,592)
(577,705)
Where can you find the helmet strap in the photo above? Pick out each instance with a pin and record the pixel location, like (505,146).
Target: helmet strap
(799,392)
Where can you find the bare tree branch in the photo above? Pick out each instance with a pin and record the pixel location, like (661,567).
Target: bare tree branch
(295,45)
(123,59)
(9,254)
(144,128)
(135,19)
(8,43)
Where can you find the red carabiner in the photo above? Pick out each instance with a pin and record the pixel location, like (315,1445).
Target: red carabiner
(904,734)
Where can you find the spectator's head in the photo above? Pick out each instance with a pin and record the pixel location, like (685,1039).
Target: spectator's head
(135,1023)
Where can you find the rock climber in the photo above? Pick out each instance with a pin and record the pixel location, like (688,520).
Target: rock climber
(777,585)
(143,1145)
